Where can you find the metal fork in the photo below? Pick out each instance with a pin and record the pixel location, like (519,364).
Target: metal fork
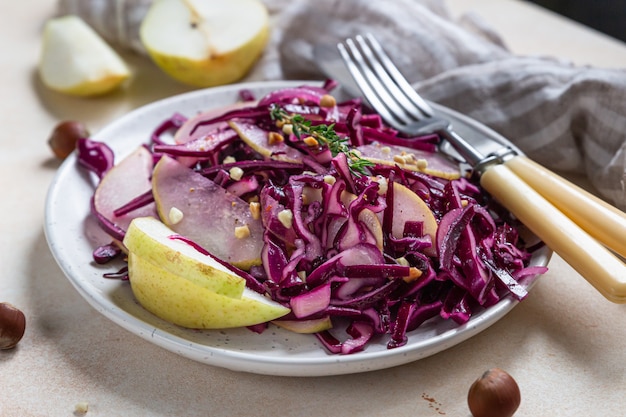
(572,222)
(391,95)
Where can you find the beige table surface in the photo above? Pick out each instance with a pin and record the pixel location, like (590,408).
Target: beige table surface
(565,344)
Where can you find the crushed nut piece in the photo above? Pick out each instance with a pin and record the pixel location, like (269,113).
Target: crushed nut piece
(310,141)
(274,137)
(255,210)
(402,261)
(422,164)
(81,408)
(286,218)
(385,150)
(399,159)
(329,179)
(229,160)
(287,128)
(410,159)
(242,232)
(327,101)
(235,173)
(175,215)
(383,184)
(414,274)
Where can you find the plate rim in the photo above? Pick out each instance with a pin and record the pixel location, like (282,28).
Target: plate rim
(251,362)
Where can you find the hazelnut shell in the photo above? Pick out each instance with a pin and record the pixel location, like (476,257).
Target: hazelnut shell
(63,138)
(494,394)
(12,325)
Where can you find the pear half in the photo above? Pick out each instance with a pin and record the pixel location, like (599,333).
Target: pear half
(205,43)
(75,60)
(156,243)
(181,301)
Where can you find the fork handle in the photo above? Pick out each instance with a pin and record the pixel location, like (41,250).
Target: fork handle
(598,218)
(599,266)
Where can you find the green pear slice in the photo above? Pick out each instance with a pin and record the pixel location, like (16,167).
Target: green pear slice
(75,60)
(197,208)
(156,243)
(183,302)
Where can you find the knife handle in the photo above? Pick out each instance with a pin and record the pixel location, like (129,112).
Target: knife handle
(598,218)
(600,267)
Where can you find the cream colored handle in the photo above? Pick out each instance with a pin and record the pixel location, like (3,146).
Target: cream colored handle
(600,267)
(598,218)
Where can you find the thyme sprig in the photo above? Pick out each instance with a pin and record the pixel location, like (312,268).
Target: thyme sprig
(323,134)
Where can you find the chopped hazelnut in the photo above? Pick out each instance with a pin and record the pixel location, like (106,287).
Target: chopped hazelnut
(235,173)
(286,218)
(274,137)
(422,164)
(327,101)
(399,159)
(329,179)
(255,210)
(310,141)
(242,232)
(287,128)
(414,274)
(81,408)
(175,215)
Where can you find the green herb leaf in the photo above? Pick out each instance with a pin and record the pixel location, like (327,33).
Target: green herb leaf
(325,135)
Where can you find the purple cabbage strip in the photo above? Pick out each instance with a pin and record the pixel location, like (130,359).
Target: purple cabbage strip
(94,156)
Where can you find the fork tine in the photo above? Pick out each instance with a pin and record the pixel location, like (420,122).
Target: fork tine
(379,64)
(364,85)
(371,86)
(399,79)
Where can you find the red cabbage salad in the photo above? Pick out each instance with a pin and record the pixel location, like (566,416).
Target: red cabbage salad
(363,233)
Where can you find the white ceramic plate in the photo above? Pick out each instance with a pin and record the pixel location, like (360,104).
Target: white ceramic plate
(72,235)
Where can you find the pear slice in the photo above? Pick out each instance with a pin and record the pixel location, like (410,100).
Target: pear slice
(127,180)
(205,43)
(306,326)
(176,299)
(156,243)
(258,139)
(75,60)
(408,206)
(206,213)
(431,163)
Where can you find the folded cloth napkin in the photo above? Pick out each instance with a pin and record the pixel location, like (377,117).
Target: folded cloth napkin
(569,118)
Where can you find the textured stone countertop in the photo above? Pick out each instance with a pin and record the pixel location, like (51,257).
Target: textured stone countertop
(564,344)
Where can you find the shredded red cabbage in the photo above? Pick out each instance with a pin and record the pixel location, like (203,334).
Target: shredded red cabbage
(337,257)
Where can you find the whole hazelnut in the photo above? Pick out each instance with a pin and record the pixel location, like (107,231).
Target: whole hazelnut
(63,138)
(494,394)
(12,325)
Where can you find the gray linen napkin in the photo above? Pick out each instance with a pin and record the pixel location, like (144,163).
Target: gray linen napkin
(568,118)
